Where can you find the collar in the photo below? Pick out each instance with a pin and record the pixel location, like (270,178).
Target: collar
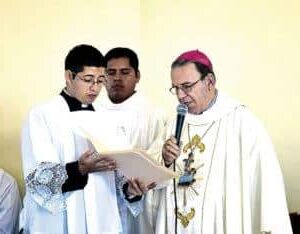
(211,103)
(74,104)
(221,107)
(133,102)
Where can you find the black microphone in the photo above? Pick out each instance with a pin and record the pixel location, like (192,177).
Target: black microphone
(182,109)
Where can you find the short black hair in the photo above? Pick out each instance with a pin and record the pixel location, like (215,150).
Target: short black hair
(83,55)
(122,52)
(201,68)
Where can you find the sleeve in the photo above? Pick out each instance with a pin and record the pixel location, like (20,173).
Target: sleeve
(37,141)
(163,131)
(269,205)
(130,199)
(10,204)
(45,186)
(133,204)
(75,180)
(274,210)
(158,131)
(43,172)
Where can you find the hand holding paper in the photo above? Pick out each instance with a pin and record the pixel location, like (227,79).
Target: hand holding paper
(107,141)
(134,163)
(137,187)
(137,164)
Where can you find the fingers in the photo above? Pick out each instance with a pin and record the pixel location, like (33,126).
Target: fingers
(87,154)
(170,151)
(151,186)
(136,187)
(91,161)
(84,161)
(105,164)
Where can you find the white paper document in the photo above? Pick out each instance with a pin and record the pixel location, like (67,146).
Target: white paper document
(133,163)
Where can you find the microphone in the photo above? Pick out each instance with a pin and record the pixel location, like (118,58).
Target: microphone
(181,109)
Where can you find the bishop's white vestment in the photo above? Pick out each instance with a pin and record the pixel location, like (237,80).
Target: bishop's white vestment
(238,185)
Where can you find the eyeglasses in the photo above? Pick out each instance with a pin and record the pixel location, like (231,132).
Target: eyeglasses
(89,79)
(184,87)
(123,73)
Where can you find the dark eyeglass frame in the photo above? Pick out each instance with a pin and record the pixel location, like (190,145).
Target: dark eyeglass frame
(186,88)
(90,81)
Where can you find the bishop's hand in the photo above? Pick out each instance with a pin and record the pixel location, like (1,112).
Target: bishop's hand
(170,151)
(91,161)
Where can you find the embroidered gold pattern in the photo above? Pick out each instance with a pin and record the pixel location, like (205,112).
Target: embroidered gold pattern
(185,219)
(195,142)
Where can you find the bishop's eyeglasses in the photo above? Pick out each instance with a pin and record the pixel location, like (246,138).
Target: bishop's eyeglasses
(186,88)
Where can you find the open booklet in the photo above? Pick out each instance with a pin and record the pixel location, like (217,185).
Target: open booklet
(137,164)
(133,163)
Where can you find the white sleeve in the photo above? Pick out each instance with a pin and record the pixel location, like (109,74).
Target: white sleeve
(134,207)
(44,185)
(10,204)
(274,210)
(43,173)
(158,136)
(269,205)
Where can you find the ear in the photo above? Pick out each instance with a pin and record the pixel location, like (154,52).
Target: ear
(210,81)
(138,76)
(68,77)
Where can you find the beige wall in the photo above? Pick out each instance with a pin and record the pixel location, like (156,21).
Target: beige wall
(254,47)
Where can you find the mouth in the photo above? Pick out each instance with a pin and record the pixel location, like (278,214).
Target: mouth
(187,103)
(92,96)
(117,87)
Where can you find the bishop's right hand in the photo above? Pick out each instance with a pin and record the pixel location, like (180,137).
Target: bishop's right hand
(170,151)
(91,161)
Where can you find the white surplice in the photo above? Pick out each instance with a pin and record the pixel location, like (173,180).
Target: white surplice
(142,125)
(48,136)
(10,203)
(238,184)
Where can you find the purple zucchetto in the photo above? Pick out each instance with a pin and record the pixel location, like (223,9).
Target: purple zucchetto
(196,56)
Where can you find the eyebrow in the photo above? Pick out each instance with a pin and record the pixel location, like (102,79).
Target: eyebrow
(121,69)
(184,83)
(92,76)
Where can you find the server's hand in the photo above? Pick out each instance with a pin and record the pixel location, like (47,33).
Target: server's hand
(137,187)
(91,161)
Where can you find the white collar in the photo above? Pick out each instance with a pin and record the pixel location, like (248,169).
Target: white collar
(221,107)
(130,103)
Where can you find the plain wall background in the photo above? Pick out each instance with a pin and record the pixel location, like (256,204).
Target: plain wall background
(254,46)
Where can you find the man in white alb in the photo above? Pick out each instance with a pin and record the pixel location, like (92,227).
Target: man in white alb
(230,180)
(69,188)
(136,118)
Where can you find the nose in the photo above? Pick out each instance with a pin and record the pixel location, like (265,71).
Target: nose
(180,93)
(95,87)
(117,76)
